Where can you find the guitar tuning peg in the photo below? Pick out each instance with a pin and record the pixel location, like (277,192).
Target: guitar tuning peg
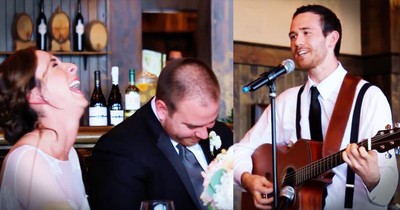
(388,126)
(397,125)
(397,151)
(388,155)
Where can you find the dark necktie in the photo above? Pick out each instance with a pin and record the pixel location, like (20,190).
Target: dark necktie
(315,116)
(192,167)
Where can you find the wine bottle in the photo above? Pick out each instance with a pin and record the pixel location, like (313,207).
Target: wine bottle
(98,107)
(132,95)
(115,110)
(41,29)
(78,29)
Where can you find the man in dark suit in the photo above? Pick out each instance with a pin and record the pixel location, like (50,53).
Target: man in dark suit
(138,160)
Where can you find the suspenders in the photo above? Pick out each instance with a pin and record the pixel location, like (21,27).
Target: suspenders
(354,129)
(298,115)
(348,202)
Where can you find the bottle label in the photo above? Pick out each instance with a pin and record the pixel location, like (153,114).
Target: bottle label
(97,116)
(116,116)
(42,28)
(132,101)
(79,28)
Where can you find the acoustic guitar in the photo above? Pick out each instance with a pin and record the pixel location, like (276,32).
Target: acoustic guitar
(303,167)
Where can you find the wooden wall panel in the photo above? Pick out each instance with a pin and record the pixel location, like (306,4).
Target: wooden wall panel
(243,102)
(125,37)
(394,25)
(10,12)
(169,22)
(375,36)
(222,51)
(204,31)
(259,54)
(3,21)
(170,5)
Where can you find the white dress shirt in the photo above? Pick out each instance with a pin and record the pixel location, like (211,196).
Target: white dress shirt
(375,115)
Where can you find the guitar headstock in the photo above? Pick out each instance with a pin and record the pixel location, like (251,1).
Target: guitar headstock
(386,139)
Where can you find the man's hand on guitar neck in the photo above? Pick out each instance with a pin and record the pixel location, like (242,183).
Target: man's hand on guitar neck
(260,188)
(363,163)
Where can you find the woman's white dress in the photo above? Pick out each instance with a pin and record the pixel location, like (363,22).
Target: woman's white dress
(31,179)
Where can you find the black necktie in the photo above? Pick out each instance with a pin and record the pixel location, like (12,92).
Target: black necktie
(315,116)
(192,167)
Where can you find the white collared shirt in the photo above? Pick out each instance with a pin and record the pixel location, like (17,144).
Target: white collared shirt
(375,115)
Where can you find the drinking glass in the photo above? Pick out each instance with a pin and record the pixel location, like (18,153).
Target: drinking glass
(157,205)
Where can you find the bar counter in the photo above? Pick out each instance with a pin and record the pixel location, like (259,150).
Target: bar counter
(87,137)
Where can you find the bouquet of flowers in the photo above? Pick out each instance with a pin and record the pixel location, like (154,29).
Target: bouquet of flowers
(218,182)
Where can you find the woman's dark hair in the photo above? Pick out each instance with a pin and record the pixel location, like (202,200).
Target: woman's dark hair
(17,79)
(329,21)
(187,78)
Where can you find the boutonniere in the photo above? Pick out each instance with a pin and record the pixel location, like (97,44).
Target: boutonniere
(215,141)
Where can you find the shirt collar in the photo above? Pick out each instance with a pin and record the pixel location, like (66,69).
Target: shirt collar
(330,84)
(153,107)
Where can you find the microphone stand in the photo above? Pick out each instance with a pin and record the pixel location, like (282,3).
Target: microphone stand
(272,95)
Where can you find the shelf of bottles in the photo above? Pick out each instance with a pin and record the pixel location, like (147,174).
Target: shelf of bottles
(43,35)
(111,112)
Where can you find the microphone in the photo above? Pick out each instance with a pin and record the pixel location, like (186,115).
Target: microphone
(286,196)
(286,66)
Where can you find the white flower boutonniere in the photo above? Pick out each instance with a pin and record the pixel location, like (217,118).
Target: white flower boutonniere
(215,141)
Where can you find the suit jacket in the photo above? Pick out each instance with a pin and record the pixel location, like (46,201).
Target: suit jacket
(136,161)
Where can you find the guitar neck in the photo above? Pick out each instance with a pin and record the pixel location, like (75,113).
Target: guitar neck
(382,142)
(316,168)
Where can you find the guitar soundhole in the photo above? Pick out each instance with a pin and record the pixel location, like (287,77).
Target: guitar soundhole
(289,177)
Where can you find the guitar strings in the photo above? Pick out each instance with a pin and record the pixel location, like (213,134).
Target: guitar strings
(314,169)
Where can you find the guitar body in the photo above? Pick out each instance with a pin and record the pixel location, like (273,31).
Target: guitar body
(310,194)
(303,167)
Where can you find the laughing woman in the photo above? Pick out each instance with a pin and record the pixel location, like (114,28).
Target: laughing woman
(40,108)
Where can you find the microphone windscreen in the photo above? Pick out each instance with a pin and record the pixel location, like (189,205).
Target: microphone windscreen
(289,65)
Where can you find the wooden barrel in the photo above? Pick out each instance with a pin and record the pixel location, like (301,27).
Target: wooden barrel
(22,27)
(59,25)
(95,36)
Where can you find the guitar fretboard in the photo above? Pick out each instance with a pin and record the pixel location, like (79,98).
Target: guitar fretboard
(384,141)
